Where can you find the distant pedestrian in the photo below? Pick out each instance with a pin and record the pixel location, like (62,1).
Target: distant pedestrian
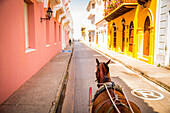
(70,42)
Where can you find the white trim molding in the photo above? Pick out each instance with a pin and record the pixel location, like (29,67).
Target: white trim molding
(65,20)
(40,1)
(53,3)
(46,3)
(56,8)
(62,15)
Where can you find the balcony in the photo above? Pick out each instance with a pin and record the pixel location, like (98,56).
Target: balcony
(118,8)
(91,28)
(58,9)
(141,2)
(91,13)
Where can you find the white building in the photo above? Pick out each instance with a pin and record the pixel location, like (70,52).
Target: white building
(101,24)
(96,29)
(162,40)
(65,18)
(90,27)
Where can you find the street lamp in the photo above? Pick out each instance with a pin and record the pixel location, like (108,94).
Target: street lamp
(123,22)
(49,14)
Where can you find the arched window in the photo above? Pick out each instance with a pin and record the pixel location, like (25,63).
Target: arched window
(146,37)
(114,41)
(123,38)
(131,33)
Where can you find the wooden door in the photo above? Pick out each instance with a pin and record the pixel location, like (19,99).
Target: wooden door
(97,38)
(89,36)
(146,41)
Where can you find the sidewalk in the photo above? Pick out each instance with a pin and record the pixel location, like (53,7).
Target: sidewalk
(158,75)
(41,93)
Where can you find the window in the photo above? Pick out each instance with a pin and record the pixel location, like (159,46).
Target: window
(131,33)
(114,27)
(47,34)
(146,41)
(29,26)
(92,36)
(123,38)
(59,33)
(97,38)
(55,33)
(93,20)
(93,6)
(26,25)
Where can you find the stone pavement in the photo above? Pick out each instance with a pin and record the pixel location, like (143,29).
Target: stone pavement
(41,93)
(158,75)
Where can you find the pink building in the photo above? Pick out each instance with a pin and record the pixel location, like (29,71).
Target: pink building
(26,43)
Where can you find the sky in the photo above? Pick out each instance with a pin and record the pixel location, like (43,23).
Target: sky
(78,12)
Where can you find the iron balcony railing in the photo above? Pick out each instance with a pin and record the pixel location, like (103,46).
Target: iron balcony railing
(113,4)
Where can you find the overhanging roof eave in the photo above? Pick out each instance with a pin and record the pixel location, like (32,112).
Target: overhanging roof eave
(122,9)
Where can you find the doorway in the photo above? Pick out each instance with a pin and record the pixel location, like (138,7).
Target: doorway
(97,38)
(114,37)
(146,41)
(131,33)
(123,38)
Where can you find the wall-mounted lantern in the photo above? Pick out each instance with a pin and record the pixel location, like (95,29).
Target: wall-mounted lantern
(114,26)
(49,14)
(123,22)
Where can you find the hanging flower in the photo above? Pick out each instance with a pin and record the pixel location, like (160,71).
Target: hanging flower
(111,5)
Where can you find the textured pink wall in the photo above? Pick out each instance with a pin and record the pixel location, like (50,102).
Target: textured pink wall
(16,66)
(66,37)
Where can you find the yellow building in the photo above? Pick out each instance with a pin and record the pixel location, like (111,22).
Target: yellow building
(131,27)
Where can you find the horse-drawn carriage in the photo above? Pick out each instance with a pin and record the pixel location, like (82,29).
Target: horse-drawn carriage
(110,97)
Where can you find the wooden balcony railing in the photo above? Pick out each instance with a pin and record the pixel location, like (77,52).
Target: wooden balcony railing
(142,1)
(112,5)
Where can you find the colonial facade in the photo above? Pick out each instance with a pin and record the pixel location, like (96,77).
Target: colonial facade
(131,28)
(162,41)
(101,24)
(91,25)
(136,28)
(29,38)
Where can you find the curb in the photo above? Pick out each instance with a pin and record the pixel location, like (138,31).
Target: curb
(62,82)
(161,84)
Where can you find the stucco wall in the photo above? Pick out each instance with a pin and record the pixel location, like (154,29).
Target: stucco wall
(16,66)
(163,54)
